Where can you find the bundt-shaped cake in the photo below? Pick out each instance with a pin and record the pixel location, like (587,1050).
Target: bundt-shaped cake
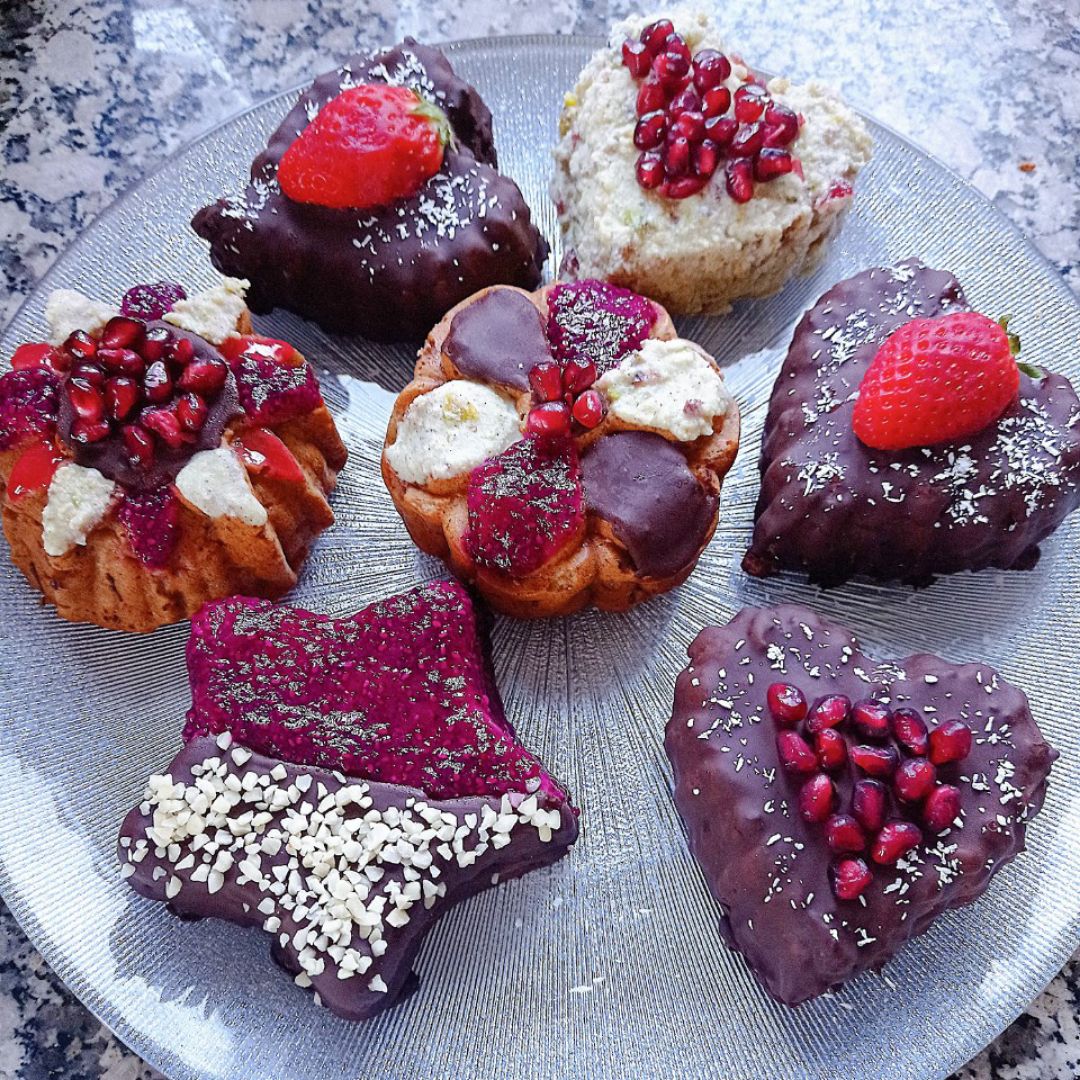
(160,455)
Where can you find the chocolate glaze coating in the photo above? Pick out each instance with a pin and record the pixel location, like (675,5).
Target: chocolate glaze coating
(109,456)
(238,903)
(766,866)
(498,338)
(657,507)
(835,508)
(388,272)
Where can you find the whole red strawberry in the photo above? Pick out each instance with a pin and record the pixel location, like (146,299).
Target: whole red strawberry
(937,380)
(369,146)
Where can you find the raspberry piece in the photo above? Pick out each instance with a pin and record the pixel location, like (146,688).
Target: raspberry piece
(28,404)
(151,519)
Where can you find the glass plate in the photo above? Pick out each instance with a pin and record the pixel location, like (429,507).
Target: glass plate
(608,964)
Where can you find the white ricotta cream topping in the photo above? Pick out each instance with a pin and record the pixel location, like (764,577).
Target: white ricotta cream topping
(67,310)
(450,431)
(669,386)
(212,313)
(215,482)
(78,499)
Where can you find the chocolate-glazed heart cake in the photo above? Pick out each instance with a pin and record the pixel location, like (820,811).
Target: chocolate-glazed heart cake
(392,209)
(344,783)
(835,507)
(838,804)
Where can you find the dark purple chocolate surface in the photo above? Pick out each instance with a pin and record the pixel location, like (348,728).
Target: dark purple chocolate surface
(498,338)
(834,508)
(768,867)
(431,862)
(641,484)
(389,272)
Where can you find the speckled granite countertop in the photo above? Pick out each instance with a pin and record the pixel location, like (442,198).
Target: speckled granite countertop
(97,92)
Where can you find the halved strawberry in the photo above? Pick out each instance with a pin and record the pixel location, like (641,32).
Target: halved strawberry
(937,380)
(34,470)
(369,146)
(281,352)
(263,452)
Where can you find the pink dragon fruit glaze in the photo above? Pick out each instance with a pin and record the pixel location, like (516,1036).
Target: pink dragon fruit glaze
(29,404)
(151,301)
(151,519)
(592,320)
(524,505)
(271,392)
(400,693)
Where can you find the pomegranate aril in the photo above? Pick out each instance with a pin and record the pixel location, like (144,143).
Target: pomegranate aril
(655,34)
(138,444)
(650,170)
(676,43)
(86,399)
(770,163)
(942,808)
(844,834)
(122,332)
(164,424)
(705,158)
(89,431)
(914,779)
(550,420)
(588,410)
(828,712)
(546,381)
(950,742)
(650,130)
(831,749)
(155,344)
(157,383)
(787,703)
(877,761)
(690,124)
(747,141)
(839,190)
(206,375)
(682,187)
(670,69)
(721,129)
(894,840)
(636,56)
(781,125)
(121,361)
(180,351)
(739,179)
(90,373)
(121,396)
(750,102)
(795,753)
(677,156)
(850,878)
(685,101)
(711,68)
(81,345)
(191,411)
(716,101)
(870,719)
(868,803)
(816,798)
(652,97)
(579,375)
(909,730)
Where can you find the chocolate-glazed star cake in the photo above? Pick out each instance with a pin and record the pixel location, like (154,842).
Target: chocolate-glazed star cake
(344,783)
(834,507)
(838,804)
(378,230)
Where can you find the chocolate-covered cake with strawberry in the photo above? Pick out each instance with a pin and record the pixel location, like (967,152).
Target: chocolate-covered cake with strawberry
(376,205)
(837,804)
(904,440)
(344,783)
(158,455)
(562,448)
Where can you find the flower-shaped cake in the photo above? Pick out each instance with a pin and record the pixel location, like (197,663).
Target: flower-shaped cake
(562,448)
(159,455)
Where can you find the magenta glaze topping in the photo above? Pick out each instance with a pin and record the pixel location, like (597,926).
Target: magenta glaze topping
(400,693)
(524,505)
(151,302)
(28,404)
(151,519)
(271,393)
(592,320)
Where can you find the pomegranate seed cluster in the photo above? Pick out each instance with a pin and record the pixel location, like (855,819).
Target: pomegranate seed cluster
(895,761)
(690,123)
(563,397)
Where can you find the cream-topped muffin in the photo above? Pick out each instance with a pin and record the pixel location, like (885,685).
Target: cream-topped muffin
(681,175)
